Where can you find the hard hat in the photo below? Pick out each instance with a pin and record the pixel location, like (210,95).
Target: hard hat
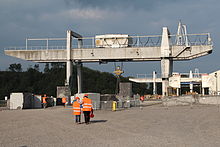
(86,95)
(76,98)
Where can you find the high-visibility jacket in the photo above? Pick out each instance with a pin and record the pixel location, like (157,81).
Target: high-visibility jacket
(64,100)
(87,104)
(44,100)
(76,108)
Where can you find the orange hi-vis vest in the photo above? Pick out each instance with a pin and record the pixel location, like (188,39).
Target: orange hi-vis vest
(87,104)
(76,108)
(64,100)
(44,100)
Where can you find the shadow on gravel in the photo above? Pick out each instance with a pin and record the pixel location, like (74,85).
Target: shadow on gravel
(98,121)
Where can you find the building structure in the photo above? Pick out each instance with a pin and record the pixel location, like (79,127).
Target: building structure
(165,48)
(183,83)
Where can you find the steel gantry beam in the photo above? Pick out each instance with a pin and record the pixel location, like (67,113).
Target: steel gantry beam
(165,50)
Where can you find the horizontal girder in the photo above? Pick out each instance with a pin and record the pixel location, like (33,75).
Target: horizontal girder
(110,54)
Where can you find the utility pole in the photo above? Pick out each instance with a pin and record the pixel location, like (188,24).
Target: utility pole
(216,82)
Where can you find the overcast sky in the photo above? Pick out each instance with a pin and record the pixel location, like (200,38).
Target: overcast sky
(51,18)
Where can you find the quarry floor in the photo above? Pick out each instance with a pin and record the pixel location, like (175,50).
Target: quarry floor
(154,125)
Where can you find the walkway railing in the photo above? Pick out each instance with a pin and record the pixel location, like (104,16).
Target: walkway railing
(35,48)
(130,41)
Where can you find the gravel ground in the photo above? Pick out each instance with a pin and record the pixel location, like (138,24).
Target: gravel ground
(150,126)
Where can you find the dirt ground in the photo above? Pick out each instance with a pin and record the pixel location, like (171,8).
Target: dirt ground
(151,126)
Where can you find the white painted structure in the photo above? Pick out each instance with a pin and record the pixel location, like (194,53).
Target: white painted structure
(113,40)
(16,101)
(210,81)
(143,48)
(24,101)
(214,83)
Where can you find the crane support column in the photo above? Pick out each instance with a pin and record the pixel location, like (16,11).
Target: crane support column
(191,84)
(79,69)
(79,76)
(154,82)
(69,63)
(166,60)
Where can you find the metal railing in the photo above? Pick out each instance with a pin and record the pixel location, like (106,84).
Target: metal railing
(148,41)
(137,41)
(147,76)
(193,39)
(35,48)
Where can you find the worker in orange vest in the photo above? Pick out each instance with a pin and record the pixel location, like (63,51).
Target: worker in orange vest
(64,101)
(77,110)
(44,102)
(87,108)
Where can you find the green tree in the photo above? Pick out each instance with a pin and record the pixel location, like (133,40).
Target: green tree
(46,82)
(56,65)
(47,68)
(15,67)
(36,67)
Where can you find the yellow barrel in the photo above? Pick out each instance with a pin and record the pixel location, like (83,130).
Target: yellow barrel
(114,104)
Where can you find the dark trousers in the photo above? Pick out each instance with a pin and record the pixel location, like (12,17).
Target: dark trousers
(77,118)
(44,105)
(87,116)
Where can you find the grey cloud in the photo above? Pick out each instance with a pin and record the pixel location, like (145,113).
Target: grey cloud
(125,4)
(51,18)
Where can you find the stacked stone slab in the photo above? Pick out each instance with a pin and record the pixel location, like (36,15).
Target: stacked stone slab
(94,96)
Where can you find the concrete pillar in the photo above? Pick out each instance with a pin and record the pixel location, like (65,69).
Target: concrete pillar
(203,91)
(154,83)
(166,67)
(166,71)
(191,84)
(166,60)
(79,69)
(216,83)
(69,70)
(79,77)
(177,91)
(68,53)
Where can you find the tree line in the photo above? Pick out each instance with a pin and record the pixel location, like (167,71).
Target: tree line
(54,74)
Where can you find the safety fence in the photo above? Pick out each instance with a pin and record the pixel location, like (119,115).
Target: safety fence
(144,41)
(118,105)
